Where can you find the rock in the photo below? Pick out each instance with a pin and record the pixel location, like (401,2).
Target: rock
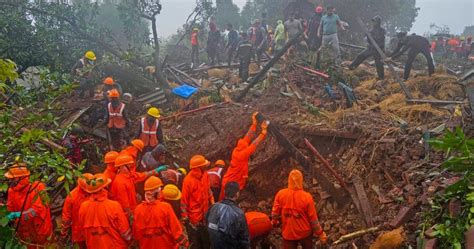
(454,208)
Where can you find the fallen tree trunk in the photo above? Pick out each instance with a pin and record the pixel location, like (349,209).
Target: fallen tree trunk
(267,67)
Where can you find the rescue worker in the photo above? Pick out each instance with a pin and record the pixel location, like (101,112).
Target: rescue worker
(438,47)
(173,176)
(103,221)
(150,129)
(83,72)
(232,43)
(172,196)
(280,36)
(215,178)
(195,201)
(123,188)
(258,36)
(116,118)
(134,150)
(245,53)
(195,47)
(415,44)
(109,160)
(153,159)
(294,209)
(378,34)
(328,31)
(213,39)
(26,207)
(260,226)
(293,27)
(109,84)
(314,42)
(70,212)
(155,224)
(226,222)
(246,146)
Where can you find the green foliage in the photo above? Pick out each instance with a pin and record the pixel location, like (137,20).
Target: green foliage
(450,229)
(7,73)
(227,12)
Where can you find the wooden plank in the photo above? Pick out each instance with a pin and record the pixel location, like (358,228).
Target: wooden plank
(364,202)
(71,119)
(434,101)
(296,90)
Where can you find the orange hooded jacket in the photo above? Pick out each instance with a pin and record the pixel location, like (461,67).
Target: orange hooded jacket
(110,171)
(35,225)
(70,215)
(196,196)
(133,152)
(123,190)
(156,226)
(295,207)
(104,223)
(239,163)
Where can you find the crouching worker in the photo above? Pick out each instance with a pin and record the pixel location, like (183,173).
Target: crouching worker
(155,223)
(260,227)
(172,196)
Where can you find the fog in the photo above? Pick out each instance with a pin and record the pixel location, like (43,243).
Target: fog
(456,14)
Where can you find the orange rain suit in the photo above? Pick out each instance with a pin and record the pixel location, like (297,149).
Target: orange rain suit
(104,223)
(110,171)
(70,215)
(156,226)
(196,196)
(35,225)
(123,190)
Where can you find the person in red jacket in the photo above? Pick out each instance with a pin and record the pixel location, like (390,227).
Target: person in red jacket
(103,221)
(195,201)
(155,224)
(123,188)
(70,214)
(295,209)
(215,177)
(239,164)
(260,226)
(26,207)
(195,47)
(109,160)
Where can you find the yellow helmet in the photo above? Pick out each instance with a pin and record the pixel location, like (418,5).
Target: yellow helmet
(171,192)
(90,55)
(154,112)
(182,171)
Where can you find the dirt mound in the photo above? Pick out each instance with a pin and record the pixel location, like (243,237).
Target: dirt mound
(390,240)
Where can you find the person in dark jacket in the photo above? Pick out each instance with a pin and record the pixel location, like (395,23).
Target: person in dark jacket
(314,42)
(213,39)
(226,222)
(232,43)
(415,44)
(378,33)
(245,53)
(258,37)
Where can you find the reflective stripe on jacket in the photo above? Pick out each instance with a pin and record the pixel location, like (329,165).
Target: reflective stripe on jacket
(149,133)
(116,119)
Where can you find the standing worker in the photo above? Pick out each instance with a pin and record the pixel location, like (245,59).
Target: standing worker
(213,39)
(245,53)
(155,224)
(32,217)
(258,37)
(232,43)
(415,44)
(109,84)
(195,201)
(150,129)
(314,41)
(239,163)
(103,221)
(195,47)
(226,222)
(172,196)
(280,36)
(116,119)
(328,31)
(215,178)
(109,160)
(70,213)
(293,27)
(295,209)
(378,34)
(83,71)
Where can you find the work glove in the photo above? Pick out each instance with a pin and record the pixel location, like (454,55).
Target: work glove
(265,126)
(161,168)
(323,238)
(254,118)
(13,215)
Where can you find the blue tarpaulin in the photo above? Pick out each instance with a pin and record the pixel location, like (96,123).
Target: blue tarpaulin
(184,91)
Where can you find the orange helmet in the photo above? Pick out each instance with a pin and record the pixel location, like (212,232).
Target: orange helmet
(109,81)
(111,156)
(152,183)
(114,93)
(138,143)
(124,159)
(219,163)
(17,170)
(82,181)
(97,182)
(171,192)
(198,161)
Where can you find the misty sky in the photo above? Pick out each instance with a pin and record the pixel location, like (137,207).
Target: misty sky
(455,13)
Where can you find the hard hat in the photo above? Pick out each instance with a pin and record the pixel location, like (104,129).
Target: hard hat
(97,182)
(124,159)
(90,55)
(138,143)
(114,93)
(152,183)
(171,192)
(111,156)
(461,38)
(195,29)
(270,31)
(220,163)
(154,112)
(82,181)
(198,161)
(183,171)
(17,170)
(377,19)
(318,9)
(109,81)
